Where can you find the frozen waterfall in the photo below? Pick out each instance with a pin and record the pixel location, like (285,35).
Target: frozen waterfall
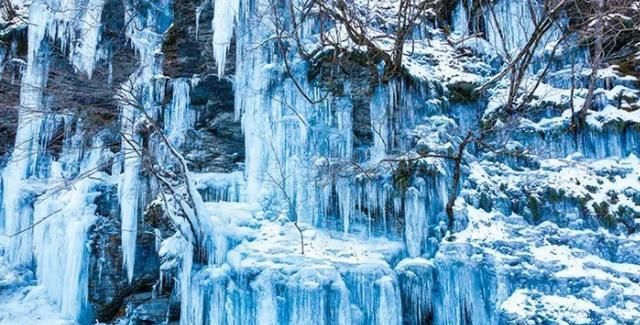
(331,207)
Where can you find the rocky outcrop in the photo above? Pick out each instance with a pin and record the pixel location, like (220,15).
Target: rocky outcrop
(109,289)
(12,60)
(216,143)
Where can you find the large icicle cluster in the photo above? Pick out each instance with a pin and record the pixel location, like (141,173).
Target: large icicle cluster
(47,218)
(292,146)
(62,265)
(50,22)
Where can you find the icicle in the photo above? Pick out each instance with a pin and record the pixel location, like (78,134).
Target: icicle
(129,186)
(379,123)
(467,289)
(315,296)
(374,294)
(417,283)
(218,296)
(345,202)
(84,54)
(415,220)
(179,117)
(225,14)
(389,312)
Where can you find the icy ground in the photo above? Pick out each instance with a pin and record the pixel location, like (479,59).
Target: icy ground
(556,270)
(23,301)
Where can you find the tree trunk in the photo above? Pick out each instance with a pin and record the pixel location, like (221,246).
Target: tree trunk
(597,60)
(457,173)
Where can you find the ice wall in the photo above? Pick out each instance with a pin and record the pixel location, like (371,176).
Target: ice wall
(496,24)
(300,144)
(140,96)
(46,214)
(50,23)
(63,220)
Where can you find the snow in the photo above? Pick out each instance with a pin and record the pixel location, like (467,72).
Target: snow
(29,305)
(564,310)
(279,246)
(564,274)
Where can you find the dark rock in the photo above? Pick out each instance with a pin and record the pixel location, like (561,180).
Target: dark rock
(12,59)
(186,55)
(109,288)
(361,76)
(152,310)
(462,91)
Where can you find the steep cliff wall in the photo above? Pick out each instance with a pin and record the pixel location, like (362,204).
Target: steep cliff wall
(250,162)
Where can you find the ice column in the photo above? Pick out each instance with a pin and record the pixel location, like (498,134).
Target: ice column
(129,186)
(179,116)
(225,14)
(63,219)
(379,123)
(17,214)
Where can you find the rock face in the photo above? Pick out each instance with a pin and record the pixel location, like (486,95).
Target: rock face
(216,144)
(12,54)
(110,292)
(317,186)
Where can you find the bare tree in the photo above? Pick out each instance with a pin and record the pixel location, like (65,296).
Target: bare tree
(7,12)
(291,203)
(175,183)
